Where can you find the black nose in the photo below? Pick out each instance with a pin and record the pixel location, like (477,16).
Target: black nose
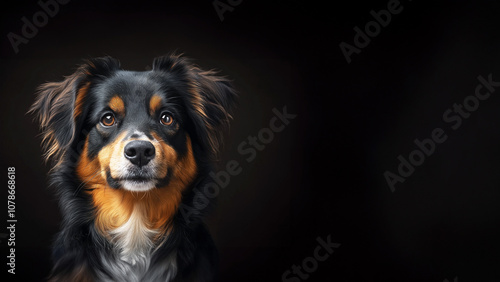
(139,152)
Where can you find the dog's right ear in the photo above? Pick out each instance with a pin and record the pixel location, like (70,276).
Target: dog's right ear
(60,106)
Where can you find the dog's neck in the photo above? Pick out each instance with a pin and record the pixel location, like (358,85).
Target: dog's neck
(118,208)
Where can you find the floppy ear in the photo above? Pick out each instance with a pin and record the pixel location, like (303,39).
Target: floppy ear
(59,106)
(213,98)
(210,99)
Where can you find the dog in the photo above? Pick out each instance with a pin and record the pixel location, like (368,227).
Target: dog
(127,149)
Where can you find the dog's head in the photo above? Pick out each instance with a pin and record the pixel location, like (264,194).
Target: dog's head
(135,131)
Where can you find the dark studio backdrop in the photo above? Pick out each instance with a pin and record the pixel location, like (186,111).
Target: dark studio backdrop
(392,153)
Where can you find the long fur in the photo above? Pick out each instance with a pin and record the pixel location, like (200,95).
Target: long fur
(185,252)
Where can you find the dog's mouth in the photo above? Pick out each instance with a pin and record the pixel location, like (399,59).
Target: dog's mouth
(138,174)
(138,185)
(137,180)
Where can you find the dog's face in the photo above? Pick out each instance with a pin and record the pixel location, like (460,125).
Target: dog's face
(139,139)
(126,132)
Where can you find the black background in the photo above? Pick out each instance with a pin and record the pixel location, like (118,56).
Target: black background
(323,174)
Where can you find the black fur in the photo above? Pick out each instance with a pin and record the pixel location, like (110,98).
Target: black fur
(79,246)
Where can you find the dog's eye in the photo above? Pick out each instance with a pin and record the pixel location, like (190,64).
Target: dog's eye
(166,119)
(108,119)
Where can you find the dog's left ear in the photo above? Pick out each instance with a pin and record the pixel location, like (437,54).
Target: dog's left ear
(213,99)
(59,106)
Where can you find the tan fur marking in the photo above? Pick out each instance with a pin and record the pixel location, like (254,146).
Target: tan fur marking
(116,104)
(164,201)
(154,104)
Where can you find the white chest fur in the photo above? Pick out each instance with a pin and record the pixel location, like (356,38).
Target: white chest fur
(134,239)
(133,244)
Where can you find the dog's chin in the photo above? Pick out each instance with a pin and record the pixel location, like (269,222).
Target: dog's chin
(138,185)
